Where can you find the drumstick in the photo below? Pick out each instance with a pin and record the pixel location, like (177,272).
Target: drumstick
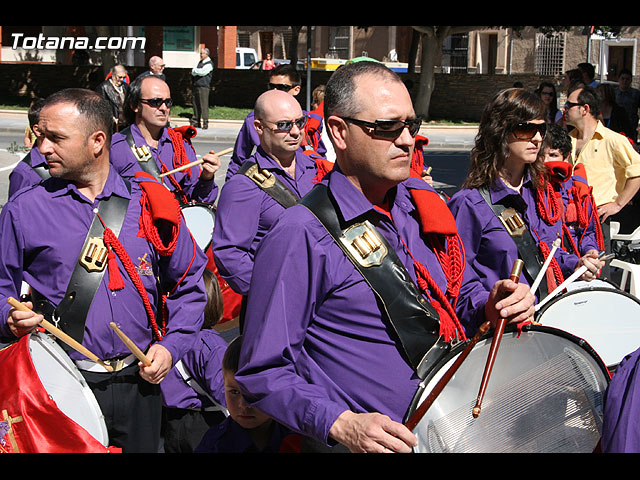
(571,279)
(131,346)
(424,406)
(194,163)
(495,343)
(55,331)
(543,270)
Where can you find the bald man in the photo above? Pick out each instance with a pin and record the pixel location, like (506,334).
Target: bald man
(275,177)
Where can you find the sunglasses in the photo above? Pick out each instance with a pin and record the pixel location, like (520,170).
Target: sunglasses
(283,87)
(287,125)
(156,102)
(391,129)
(528,130)
(568,105)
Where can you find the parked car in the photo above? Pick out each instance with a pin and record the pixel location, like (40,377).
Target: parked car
(246,58)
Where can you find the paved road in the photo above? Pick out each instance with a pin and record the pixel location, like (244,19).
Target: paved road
(447,151)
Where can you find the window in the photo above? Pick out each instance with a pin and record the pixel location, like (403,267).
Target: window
(549,54)
(339,40)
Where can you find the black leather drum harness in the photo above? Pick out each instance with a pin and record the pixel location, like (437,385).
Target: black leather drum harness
(411,316)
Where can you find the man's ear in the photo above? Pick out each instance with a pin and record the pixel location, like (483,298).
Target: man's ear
(338,130)
(98,142)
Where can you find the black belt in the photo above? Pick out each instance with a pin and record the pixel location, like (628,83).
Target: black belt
(71,313)
(527,247)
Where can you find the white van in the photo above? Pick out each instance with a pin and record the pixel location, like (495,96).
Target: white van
(246,57)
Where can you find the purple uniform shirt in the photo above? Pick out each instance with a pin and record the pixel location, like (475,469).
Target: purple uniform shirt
(24,175)
(315,341)
(245,214)
(246,142)
(620,425)
(204,363)
(126,164)
(490,250)
(42,230)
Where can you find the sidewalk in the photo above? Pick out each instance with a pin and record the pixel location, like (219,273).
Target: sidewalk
(440,137)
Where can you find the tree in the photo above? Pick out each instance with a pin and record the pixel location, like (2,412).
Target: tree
(431,41)
(432,38)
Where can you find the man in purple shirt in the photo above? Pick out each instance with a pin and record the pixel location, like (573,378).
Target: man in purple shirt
(150,145)
(319,355)
(43,230)
(246,210)
(31,169)
(284,78)
(620,427)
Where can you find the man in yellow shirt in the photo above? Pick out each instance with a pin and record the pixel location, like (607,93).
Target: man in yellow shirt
(611,163)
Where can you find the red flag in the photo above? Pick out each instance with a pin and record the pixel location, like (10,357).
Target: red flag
(30,420)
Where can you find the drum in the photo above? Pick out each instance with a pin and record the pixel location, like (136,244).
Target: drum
(47,401)
(544,395)
(605,317)
(200,219)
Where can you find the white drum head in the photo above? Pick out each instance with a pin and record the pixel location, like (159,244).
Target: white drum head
(200,220)
(608,319)
(544,395)
(66,386)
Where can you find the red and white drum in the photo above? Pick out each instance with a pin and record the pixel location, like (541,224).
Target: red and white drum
(544,395)
(601,314)
(46,405)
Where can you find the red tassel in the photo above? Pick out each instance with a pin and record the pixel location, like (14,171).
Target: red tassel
(115,279)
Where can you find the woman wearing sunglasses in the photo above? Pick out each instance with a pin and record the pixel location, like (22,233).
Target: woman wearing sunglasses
(506,208)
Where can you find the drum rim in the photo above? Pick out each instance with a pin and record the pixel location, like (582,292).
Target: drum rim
(459,348)
(197,203)
(582,290)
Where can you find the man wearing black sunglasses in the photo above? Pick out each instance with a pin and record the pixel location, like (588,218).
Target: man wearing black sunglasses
(276,176)
(325,350)
(284,78)
(611,163)
(150,145)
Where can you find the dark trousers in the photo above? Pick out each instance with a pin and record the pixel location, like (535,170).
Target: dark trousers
(184,429)
(200,106)
(132,408)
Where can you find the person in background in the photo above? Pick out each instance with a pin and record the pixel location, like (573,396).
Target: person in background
(33,167)
(156,67)
(612,115)
(629,98)
(193,391)
(201,76)
(114,89)
(246,429)
(547,92)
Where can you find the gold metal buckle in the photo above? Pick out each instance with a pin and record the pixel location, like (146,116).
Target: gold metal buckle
(262,177)
(513,222)
(94,256)
(143,153)
(116,363)
(364,244)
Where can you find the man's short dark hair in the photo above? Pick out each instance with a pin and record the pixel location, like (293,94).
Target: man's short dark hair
(133,96)
(558,138)
(339,94)
(91,106)
(588,96)
(289,71)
